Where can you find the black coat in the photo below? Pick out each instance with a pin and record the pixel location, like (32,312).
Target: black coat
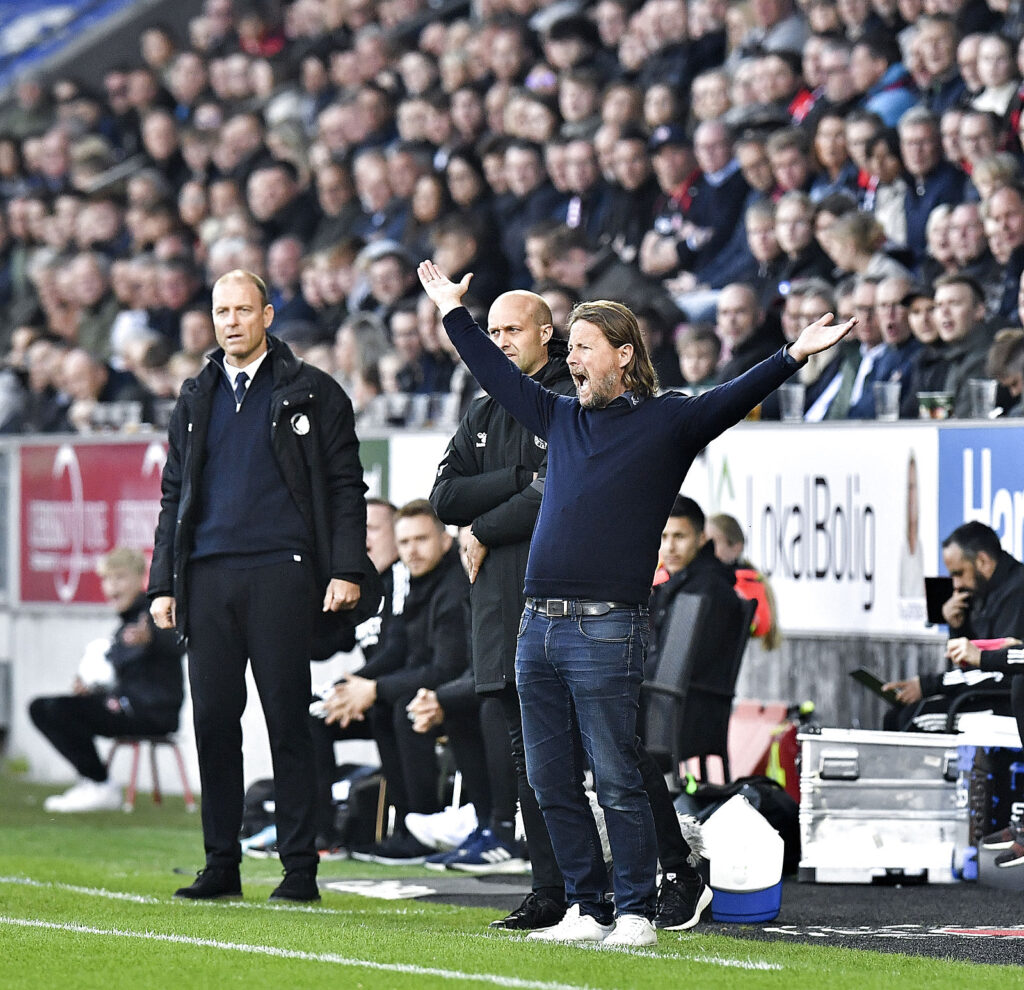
(426,640)
(148,674)
(996,613)
(317,450)
(486,480)
(707,576)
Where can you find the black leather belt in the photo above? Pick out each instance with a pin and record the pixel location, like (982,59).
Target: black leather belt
(555,608)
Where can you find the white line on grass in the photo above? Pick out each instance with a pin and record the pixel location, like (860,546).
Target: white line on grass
(117,895)
(703,957)
(273,950)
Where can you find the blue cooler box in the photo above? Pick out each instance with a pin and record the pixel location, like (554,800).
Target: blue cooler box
(747,905)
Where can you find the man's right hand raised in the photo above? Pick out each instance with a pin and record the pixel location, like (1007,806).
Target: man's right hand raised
(445,294)
(162,610)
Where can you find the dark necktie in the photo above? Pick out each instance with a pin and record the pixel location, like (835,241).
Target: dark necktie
(240,379)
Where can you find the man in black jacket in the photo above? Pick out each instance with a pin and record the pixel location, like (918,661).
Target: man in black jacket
(262,521)
(141,696)
(987,603)
(426,644)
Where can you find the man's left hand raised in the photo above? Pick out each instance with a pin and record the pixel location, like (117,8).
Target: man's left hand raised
(820,336)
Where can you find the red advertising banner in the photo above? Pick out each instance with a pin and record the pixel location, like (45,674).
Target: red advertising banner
(78,501)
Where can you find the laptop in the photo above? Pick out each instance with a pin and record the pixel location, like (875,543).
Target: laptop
(937,591)
(864,676)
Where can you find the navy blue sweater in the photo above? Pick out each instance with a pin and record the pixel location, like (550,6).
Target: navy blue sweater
(247,511)
(612,473)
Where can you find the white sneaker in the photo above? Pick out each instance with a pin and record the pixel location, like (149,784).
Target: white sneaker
(633,930)
(574,927)
(86,795)
(445,830)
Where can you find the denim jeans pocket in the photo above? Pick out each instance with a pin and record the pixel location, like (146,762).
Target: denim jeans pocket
(523,620)
(615,627)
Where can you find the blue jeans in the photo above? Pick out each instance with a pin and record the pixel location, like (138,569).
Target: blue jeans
(592,665)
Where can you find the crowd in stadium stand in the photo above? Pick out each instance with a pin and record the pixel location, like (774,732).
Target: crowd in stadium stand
(728,170)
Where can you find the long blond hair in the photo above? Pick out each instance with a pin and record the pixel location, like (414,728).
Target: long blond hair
(619,327)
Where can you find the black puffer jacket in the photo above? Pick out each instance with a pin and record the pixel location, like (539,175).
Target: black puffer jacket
(317,450)
(487,480)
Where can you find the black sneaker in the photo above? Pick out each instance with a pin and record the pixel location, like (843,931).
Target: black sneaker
(681,901)
(399,850)
(534,913)
(213,883)
(298,886)
(1002,839)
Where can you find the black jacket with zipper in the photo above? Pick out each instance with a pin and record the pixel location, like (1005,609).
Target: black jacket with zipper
(317,450)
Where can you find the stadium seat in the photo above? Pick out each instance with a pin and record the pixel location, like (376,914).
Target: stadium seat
(136,743)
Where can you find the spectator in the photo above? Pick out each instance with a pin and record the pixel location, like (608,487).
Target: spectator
(726,536)
(532,198)
(1003,217)
(895,362)
(790,160)
(843,382)
(932,180)
(997,75)
(746,338)
(836,172)
(96,304)
(794,231)
(425,645)
(277,203)
(1005,363)
(129,685)
(284,269)
(880,77)
(936,35)
(963,342)
(700,349)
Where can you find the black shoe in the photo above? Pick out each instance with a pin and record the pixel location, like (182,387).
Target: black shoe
(534,913)
(681,901)
(298,886)
(399,850)
(213,883)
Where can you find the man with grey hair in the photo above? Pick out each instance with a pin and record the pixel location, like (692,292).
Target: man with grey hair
(895,361)
(932,179)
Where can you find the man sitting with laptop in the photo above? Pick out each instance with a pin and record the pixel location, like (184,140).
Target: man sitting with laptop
(987,605)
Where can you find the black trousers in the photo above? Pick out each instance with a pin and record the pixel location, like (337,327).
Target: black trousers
(263,616)
(407,760)
(72,721)
(482,750)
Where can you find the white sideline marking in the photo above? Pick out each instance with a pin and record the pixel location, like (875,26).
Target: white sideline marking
(275,951)
(703,957)
(116,895)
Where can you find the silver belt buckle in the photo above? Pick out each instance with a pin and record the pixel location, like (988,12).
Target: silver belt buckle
(557,608)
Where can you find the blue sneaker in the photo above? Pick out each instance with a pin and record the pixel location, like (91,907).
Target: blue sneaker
(484,853)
